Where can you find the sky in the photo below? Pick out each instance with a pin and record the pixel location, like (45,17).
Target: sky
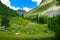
(26,5)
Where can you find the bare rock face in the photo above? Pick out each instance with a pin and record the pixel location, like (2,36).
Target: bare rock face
(48,8)
(48,1)
(52,11)
(44,2)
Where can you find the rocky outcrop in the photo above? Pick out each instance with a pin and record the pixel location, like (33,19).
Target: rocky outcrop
(52,11)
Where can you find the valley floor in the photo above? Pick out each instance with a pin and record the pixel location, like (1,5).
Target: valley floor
(26,30)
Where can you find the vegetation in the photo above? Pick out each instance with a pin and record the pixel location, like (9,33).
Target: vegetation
(54,25)
(32,27)
(43,20)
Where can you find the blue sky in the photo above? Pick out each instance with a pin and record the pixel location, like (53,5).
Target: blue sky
(23,3)
(26,5)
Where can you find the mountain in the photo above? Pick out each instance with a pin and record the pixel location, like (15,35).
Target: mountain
(44,5)
(54,10)
(48,8)
(21,11)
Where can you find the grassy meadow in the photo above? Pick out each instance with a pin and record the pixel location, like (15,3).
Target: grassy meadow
(30,26)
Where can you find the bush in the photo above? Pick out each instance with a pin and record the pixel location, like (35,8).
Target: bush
(54,25)
(5,22)
(43,19)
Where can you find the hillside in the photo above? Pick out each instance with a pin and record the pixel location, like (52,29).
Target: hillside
(5,12)
(42,7)
(46,8)
(15,27)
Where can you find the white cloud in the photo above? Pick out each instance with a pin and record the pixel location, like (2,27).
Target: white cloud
(27,9)
(7,3)
(38,1)
(14,8)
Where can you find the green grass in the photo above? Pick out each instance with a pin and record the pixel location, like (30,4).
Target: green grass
(26,30)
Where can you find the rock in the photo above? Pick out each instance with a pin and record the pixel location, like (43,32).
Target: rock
(13,30)
(17,33)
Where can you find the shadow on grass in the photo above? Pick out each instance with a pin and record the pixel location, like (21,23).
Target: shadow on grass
(5,22)
(54,25)
(49,38)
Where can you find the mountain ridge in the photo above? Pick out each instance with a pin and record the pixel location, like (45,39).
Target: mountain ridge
(43,5)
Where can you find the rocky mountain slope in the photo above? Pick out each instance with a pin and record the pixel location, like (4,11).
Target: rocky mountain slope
(46,7)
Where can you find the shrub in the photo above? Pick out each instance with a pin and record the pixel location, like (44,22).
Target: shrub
(54,25)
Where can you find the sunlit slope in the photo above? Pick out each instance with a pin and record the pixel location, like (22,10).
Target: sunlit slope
(44,6)
(26,29)
(53,11)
